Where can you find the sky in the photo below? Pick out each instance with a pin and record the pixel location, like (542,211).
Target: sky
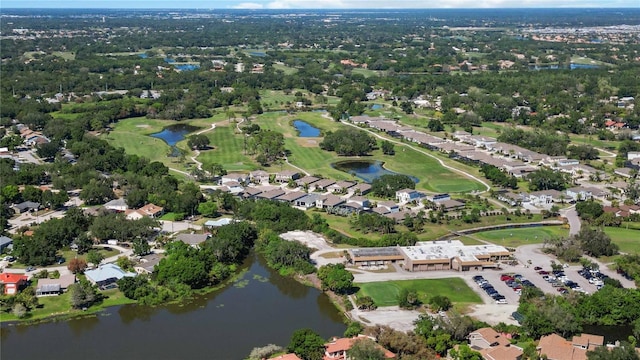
(314,4)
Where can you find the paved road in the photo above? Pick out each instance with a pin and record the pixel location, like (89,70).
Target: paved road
(574,220)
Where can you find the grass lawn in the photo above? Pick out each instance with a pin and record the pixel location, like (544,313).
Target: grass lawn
(627,239)
(306,154)
(521,236)
(386,293)
(61,306)
(228,150)
(286,69)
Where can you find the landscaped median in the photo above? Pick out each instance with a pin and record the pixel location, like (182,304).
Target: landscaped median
(386,293)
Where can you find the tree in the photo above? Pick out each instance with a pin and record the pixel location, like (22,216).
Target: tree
(198,142)
(95,257)
(625,351)
(547,179)
(96,192)
(141,247)
(387,185)
(365,303)
(440,303)
(353,329)
(464,352)
(596,242)
(365,349)
(435,125)
(336,278)
(307,344)
(77,266)
(208,209)
(388,148)
(125,263)
(83,294)
(589,210)
(348,142)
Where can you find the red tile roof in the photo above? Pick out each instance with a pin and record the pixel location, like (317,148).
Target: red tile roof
(8,278)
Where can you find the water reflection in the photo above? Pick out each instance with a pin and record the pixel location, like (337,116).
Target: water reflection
(81,326)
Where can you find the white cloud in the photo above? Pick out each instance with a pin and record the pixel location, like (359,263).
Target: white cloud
(248,5)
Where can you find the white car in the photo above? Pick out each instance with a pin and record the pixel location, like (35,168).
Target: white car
(501,301)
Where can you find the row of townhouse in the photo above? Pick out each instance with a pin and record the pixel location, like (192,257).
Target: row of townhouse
(544,197)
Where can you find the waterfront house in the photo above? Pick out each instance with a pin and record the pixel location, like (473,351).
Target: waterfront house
(13,283)
(51,287)
(337,348)
(147,263)
(107,274)
(192,239)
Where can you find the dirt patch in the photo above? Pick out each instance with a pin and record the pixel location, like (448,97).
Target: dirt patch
(494,313)
(143,126)
(307,142)
(392,316)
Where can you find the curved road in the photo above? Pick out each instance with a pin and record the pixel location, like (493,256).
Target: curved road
(442,163)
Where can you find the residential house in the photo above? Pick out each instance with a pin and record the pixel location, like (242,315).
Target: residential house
(484,338)
(633,155)
(341,186)
(580,193)
(291,197)
(306,181)
(287,175)
(337,348)
(119,205)
(408,195)
(13,283)
(307,201)
(49,287)
(6,243)
(347,208)
(511,198)
(259,176)
(390,206)
(232,187)
(218,223)
(544,197)
(323,184)
(151,210)
(555,347)
(270,195)
(237,177)
(625,172)
(25,206)
(479,141)
(107,274)
(147,263)
(399,216)
(360,200)
(192,239)
(286,357)
(250,192)
(329,201)
(438,197)
(451,205)
(361,189)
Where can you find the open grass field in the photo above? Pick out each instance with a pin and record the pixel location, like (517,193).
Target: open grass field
(286,69)
(386,293)
(305,153)
(521,236)
(627,239)
(228,150)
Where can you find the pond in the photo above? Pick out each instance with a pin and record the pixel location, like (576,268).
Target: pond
(611,333)
(366,170)
(187,67)
(305,129)
(174,133)
(261,308)
(376,107)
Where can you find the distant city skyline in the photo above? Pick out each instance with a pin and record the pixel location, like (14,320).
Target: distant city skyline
(318,4)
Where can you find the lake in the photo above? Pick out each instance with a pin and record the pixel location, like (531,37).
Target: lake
(366,170)
(305,129)
(261,308)
(174,133)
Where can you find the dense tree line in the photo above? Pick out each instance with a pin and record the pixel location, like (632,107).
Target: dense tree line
(387,185)
(498,177)
(549,143)
(348,142)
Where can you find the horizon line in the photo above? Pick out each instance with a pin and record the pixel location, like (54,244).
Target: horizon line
(333,9)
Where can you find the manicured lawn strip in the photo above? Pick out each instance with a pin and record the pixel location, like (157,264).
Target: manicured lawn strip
(627,239)
(286,69)
(521,236)
(61,306)
(228,149)
(386,293)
